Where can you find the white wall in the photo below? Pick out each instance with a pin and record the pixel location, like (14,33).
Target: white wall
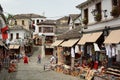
(111,23)
(36,26)
(44,19)
(105,5)
(22,34)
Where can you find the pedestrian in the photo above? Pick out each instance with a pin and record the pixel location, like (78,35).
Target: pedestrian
(39,58)
(53,59)
(25,59)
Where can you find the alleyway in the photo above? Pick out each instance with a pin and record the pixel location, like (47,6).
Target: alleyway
(35,71)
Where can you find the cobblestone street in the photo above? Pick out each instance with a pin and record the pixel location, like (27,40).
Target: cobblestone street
(35,71)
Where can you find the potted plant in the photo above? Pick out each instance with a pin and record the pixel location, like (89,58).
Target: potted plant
(85,21)
(98,17)
(115,11)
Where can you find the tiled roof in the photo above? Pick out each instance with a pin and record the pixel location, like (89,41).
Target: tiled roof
(48,22)
(65,19)
(71,34)
(61,30)
(74,16)
(17,27)
(21,16)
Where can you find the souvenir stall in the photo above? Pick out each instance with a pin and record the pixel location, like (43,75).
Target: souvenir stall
(15,49)
(112,61)
(112,47)
(68,52)
(58,51)
(3,55)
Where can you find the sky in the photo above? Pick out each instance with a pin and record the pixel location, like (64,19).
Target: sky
(51,9)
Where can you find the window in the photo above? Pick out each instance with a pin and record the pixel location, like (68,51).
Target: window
(47,29)
(98,7)
(17,35)
(86,15)
(41,20)
(49,39)
(99,13)
(40,29)
(114,2)
(38,21)
(23,22)
(11,36)
(15,22)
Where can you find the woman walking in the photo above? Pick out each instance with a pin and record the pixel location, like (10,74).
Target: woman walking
(25,60)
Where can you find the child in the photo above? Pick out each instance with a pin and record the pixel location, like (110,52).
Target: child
(39,58)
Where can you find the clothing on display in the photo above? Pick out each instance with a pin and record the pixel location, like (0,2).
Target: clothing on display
(72,52)
(96,48)
(108,50)
(113,51)
(76,49)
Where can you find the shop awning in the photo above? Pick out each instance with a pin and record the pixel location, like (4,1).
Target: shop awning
(57,42)
(113,37)
(16,46)
(91,37)
(69,43)
(94,36)
(11,46)
(84,39)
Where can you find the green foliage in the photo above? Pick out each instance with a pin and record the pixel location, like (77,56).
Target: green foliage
(115,11)
(85,21)
(98,17)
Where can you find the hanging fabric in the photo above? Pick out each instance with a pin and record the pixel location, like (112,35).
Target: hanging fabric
(108,50)
(96,48)
(113,50)
(76,49)
(72,52)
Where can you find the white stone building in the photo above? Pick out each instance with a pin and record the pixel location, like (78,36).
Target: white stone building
(18,34)
(101,25)
(91,8)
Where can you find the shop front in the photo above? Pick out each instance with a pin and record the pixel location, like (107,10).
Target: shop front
(57,51)
(15,49)
(113,52)
(69,52)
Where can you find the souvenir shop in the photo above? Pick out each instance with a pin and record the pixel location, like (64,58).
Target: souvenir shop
(3,55)
(104,55)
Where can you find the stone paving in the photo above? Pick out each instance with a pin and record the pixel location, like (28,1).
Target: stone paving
(35,71)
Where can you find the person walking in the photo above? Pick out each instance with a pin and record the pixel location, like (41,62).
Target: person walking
(39,58)
(25,60)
